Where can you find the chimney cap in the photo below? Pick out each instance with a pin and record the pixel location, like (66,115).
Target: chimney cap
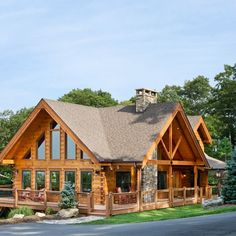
(147,89)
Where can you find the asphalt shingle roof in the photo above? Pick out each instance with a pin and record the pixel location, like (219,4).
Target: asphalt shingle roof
(115,133)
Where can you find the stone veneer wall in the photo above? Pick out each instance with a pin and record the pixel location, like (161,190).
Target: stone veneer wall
(149,182)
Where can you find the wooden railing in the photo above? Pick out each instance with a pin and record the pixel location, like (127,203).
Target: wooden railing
(115,203)
(119,203)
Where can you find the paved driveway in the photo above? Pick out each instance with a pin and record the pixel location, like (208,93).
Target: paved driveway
(222,224)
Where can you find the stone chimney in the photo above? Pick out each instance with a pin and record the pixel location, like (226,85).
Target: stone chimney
(144,97)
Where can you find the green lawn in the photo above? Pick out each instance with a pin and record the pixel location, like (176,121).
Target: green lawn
(164,214)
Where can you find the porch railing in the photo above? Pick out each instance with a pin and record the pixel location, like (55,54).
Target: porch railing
(115,203)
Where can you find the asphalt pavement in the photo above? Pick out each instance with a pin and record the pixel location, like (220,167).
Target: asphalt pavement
(221,224)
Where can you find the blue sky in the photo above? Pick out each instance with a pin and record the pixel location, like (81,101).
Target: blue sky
(48,47)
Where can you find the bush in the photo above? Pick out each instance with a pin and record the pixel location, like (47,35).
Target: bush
(67,197)
(49,211)
(23,210)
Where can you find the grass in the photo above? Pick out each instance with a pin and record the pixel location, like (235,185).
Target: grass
(23,210)
(164,214)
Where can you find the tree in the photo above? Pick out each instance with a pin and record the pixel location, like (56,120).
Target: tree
(171,94)
(196,95)
(67,197)
(224,100)
(10,122)
(229,187)
(88,97)
(220,149)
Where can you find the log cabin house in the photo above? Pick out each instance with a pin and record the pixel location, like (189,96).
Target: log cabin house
(119,159)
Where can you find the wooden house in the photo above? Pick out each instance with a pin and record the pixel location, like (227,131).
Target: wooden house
(119,159)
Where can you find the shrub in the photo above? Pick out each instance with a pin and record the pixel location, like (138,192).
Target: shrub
(67,197)
(23,210)
(49,211)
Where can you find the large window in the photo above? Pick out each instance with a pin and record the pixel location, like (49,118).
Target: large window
(55,141)
(70,178)
(86,181)
(41,148)
(70,148)
(26,179)
(39,180)
(123,181)
(162,180)
(54,180)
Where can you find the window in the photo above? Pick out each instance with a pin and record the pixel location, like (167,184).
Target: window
(84,155)
(41,148)
(26,179)
(55,141)
(54,180)
(70,148)
(86,181)
(162,180)
(123,181)
(40,180)
(27,156)
(70,178)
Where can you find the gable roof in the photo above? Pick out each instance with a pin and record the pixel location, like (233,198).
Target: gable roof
(112,134)
(116,133)
(214,163)
(198,123)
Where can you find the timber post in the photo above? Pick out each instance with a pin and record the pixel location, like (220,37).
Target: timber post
(45,199)
(108,205)
(201,194)
(92,200)
(171,186)
(89,203)
(16,197)
(184,195)
(195,184)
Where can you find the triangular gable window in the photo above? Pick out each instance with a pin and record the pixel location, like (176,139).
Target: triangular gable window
(27,156)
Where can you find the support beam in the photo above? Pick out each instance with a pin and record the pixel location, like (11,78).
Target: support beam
(8,162)
(170,141)
(175,163)
(176,147)
(165,149)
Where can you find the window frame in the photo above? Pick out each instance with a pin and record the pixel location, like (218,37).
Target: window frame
(166,180)
(130,182)
(66,148)
(22,178)
(36,171)
(37,147)
(52,130)
(50,180)
(81,181)
(74,171)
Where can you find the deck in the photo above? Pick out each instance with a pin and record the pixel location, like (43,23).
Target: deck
(115,203)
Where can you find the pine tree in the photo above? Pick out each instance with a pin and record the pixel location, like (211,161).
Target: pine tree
(67,197)
(229,187)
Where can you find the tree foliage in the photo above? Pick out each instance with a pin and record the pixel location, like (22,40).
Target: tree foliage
(89,97)
(10,122)
(67,197)
(229,187)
